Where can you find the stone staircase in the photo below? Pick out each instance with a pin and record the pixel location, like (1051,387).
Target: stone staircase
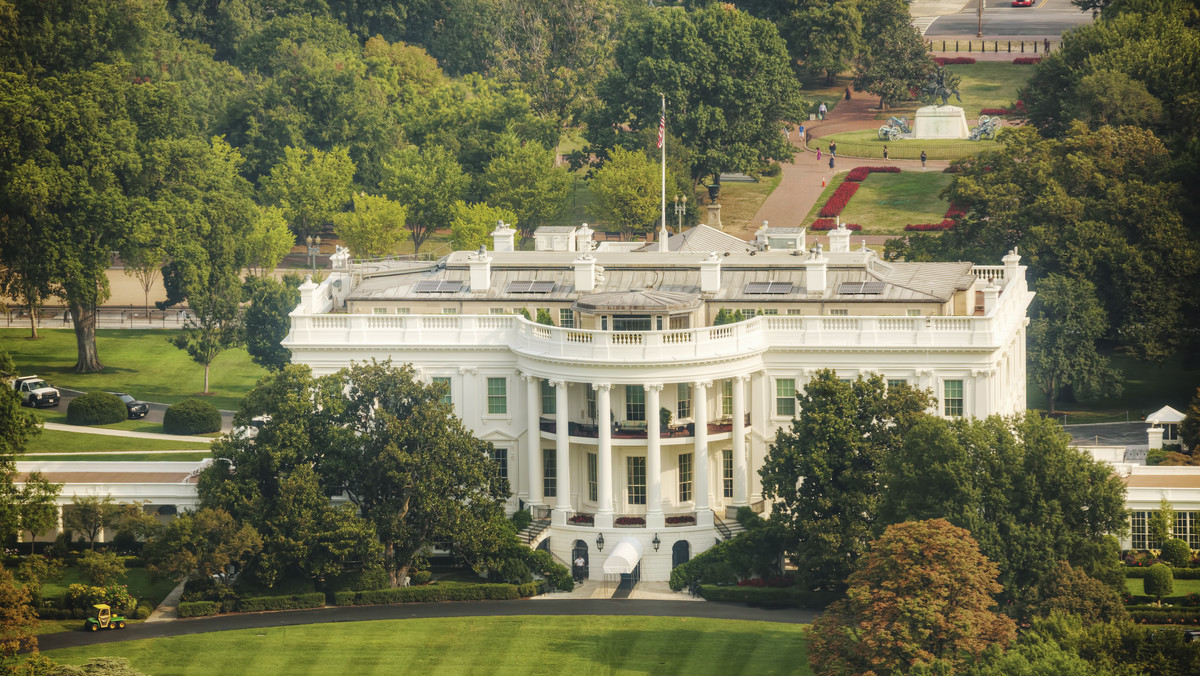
(532,535)
(728,529)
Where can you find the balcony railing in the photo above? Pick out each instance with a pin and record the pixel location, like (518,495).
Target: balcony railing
(588,431)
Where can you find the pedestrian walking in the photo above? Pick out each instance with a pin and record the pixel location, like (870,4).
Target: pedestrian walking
(833,148)
(923,158)
(821,110)
(831,162)
(847,93)
(885,153)
(818,154)
(1046,42)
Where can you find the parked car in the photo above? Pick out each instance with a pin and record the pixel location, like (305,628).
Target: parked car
(36,392)
(137,409)
(1022,3)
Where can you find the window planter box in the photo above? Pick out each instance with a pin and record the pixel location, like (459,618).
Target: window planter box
(582,520)
(630,521)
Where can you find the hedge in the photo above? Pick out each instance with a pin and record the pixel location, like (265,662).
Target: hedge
(1178,573)
(1136,600)
(770,597)
(96,408)
(434,593)
(1163,616)
(192,416)
(290,602)
(198,608)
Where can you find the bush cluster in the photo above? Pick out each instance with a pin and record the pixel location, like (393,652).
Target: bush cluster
(83,597)
(1175,553)
(198,608)
(954,60)
(96,408)
(192,416)
(1159,582)
(1177,573)
(770,597)
(290,602)
(1027,60)
(431,593)
(521,519)
(839,199)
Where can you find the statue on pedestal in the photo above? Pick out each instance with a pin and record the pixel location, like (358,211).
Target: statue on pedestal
(941,85)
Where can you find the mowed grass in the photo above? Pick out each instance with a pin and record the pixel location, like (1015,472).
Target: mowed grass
(141,587)
(54,441)
(866,143)
(123,457)
(885,203)
(138,361)
(1148,387)
(1136,586)
(485,645)
(739,202)
(59,415)
(986,84)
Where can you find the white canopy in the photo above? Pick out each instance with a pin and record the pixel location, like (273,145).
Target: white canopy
(1166,414)
(624,557)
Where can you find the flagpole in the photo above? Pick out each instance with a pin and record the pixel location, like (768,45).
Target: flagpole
(663,229)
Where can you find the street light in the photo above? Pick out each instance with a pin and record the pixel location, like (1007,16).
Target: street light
(680,209)
(314,248)
(979,30)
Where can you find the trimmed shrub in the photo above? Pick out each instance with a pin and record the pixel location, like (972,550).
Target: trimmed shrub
(770,597)
(1159,582)
(522,519)
(289,602)
(423,577)
(96,408)
(434,593)
(192,416)
(772,169)
(1027,60)
(1177,573)
(198,608)
(143,611)
(1175,552)
(100,568)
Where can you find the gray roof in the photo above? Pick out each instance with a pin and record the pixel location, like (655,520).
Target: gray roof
(650,300)
(702,239)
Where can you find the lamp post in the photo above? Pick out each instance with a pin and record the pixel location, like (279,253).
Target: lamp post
(314,248)
(656,542)
(600,542)
(680,209)
(979,30)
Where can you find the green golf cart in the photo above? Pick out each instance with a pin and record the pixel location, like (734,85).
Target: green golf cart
(102,618)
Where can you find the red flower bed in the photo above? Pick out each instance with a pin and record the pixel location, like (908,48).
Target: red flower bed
(631,521)
(583,518)
(953,60)
(830,224)
(839,198)
(858,174)
(949,220)
(672,520)
(955,212)
(995,111)
(1027,60)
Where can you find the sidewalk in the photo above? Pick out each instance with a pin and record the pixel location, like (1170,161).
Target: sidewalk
(59,427)
(596,589)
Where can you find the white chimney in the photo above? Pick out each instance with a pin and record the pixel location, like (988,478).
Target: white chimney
(585,272)
(814,272)
(761,238)
(1011,261)
(991,293)
(308,295)
(583,238)
(839,239)
(481,270)
(503,237)
(710,274)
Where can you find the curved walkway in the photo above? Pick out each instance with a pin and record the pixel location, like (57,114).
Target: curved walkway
(406,611)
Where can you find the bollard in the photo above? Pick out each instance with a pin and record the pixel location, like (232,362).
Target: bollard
(1035,46)
(995,46)
(1022,46)
(956,46)
(943,45)
(1010,46)
(968,46)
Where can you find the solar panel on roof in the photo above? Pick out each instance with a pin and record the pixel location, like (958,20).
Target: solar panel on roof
(860,288)
(438,286)
(529,287)
(768,287)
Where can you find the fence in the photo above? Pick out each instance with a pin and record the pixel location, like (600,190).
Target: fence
(971,46)
(898,150)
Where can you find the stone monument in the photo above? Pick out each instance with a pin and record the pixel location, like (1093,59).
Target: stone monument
(940,120)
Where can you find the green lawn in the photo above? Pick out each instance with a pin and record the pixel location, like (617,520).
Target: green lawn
(140,362)
(125,457)
(54,441)
(1148,386)
(887,202)
(487,645)
(1134,585)
(987,84)
(54,416)
(739,202)
(866,143)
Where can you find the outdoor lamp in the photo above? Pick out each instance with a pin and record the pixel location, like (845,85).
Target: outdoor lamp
(656,542)
(600,542)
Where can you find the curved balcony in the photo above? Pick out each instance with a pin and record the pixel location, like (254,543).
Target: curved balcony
(588,431)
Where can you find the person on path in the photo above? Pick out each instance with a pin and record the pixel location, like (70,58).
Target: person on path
(818,154)
(831,162)
(885,153)
(833,148)
(821,110)
(847,93)
(923,158)
(1046,42)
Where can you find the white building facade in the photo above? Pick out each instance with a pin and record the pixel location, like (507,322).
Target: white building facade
(634,415)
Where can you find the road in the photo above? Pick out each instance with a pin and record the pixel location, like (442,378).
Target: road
(155,415)
(404,611)
(1046,18)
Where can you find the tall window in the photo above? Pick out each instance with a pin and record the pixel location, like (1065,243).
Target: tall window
(685,477)
(1139,533)
(954,398)
(591,404)
(497,393)
(727,397)
(1187,528)
(683,408)
(636,481)
(897,382)
(499,456)
(549,473)
(842,312)
(447,398)
(593,471)
(727,472)
(549,400)
(635,402)
(785,397)
(566,318)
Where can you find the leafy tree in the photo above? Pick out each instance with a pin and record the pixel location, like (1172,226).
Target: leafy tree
(1161,523)
(473,224)
(724,316)
(89,515)
(464,45)
(18,622)
(893,64)
(1071,591)
(1028,499)
(38,511)
(35,570)
(1043,649)
(427,182)
(1112,97)
(267,241)
(727,81)
(1159,581)
(837,444)
(266,322)
(627,191)
(1189,429)
(1066,322)
(28,269)
(100,569)
(203,544)
(923,597)
(822,35)
(310,186)
(374,228)
(146,251)
(407,70)
(522,178)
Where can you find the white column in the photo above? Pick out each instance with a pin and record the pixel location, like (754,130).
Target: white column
(604,515)
(59,523)
(739,441)
(533,440)
(654,511)
(700,410)
(562,447)
(762,405)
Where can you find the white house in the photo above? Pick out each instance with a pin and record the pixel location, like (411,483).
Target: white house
(573,408)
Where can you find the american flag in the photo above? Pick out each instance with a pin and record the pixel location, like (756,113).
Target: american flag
(662,129)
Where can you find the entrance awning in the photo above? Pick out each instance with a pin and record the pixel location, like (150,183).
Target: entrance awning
(624,557)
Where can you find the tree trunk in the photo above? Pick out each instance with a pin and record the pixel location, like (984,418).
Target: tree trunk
(85,337)
(32,322)
(882,103)
(206,378)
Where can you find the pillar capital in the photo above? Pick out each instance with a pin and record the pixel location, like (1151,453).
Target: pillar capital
(464,370)
(702,384)
(529,377)
(558,383)
(655,387)
(742,379)
(601,387)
